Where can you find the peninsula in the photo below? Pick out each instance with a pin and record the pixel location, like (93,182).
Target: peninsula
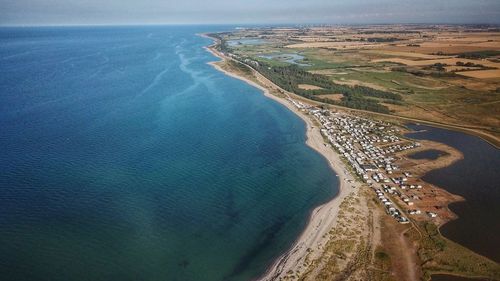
(346,140)
(384,223)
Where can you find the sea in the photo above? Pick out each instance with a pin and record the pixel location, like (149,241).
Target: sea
(125,156)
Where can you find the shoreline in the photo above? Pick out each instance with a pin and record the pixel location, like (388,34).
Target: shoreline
(323,217)
(473,131)
(313,236)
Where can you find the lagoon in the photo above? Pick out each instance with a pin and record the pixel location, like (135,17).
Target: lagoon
(476,179)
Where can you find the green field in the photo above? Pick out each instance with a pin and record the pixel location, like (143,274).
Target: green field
(429,95)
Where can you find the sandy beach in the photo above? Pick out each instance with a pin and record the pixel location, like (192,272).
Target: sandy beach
(343,235)
(324,217)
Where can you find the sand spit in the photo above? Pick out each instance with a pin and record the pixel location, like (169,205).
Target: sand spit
(324,217)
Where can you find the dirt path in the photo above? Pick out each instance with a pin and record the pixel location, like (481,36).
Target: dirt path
(409,258)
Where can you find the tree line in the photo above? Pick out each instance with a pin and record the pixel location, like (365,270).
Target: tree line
(359,97)
(291,76)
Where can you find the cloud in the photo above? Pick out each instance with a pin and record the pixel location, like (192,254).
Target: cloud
(241,11)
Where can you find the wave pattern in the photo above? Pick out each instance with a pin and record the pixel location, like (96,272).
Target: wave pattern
(127,157)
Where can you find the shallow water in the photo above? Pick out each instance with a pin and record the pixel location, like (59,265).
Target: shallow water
(289,58)
(126,157)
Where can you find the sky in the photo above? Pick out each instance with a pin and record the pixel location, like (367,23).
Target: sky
(85,12)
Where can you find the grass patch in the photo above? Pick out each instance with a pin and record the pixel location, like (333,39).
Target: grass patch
(382,266)
(479,54)
(440,255)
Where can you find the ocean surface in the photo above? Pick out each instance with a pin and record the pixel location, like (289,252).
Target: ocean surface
(124,156)
(477,179)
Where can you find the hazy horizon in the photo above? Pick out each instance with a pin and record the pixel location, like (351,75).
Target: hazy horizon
(223,12)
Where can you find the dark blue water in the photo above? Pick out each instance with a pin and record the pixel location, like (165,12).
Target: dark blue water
(477,179)
(431,154)
(124,156)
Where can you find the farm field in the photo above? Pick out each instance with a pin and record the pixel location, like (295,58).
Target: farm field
(443,73)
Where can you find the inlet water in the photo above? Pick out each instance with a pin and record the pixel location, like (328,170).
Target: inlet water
(430,154)
(476,178)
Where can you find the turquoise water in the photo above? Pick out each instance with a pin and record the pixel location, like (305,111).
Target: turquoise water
(124,156)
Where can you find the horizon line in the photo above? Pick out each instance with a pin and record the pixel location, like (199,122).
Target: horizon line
(241,24)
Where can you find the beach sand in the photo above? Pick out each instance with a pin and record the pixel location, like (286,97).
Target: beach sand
(324,217)
(334,225)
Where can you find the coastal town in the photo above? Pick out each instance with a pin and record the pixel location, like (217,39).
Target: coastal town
(371,149)
(383,207)
(346,140)
(409,71)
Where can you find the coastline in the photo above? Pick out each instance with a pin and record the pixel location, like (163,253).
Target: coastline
(324,217)
(473,131)
(311,243)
